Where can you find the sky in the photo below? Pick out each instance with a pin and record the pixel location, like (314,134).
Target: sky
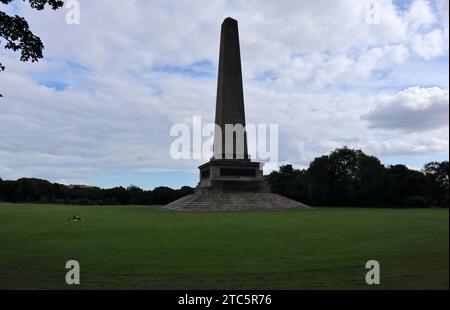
(98,108)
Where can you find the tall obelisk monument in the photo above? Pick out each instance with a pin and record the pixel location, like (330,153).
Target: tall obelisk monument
(230,180)
(230,94)
(230,169)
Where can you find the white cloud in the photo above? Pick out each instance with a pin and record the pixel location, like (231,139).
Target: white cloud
(413,109)
(428,36)
(429,45)
(443,9)
(421,15)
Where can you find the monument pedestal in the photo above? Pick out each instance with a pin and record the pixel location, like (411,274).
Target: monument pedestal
(231,176)
(232,185)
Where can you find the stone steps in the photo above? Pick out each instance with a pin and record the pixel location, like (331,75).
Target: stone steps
(234,201)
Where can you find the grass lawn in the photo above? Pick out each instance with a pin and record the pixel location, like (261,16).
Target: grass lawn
(139,247)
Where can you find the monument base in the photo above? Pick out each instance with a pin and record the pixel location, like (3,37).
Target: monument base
(234,201)
(235,175)
(233,185)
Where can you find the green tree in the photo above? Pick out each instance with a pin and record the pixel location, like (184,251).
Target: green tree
(344,168)
(403,186)
(345,177)
(354,177)
(319,180)
(289,182)
(437,174)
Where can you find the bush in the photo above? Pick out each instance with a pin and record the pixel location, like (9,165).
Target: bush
(58,201)
(415,202)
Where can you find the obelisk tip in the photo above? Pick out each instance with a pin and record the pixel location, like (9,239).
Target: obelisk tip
(229,20)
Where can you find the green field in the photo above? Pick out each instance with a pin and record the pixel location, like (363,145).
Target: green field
(138,247)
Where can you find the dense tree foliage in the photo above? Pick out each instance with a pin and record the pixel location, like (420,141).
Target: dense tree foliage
(438,178)
(349,177)
(41,191)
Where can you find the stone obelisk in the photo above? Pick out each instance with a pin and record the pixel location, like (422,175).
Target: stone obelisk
(230,180)
(230,169)
(230,93)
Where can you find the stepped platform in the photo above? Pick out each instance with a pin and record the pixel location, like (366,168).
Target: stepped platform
(235,201)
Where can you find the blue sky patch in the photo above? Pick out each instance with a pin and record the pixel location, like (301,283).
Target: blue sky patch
(200,69)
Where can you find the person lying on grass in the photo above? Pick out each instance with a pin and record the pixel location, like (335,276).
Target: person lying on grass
(74,218)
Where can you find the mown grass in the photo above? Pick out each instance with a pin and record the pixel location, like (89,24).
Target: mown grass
(138,247)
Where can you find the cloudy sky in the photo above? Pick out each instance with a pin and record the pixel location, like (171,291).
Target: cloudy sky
(99,107)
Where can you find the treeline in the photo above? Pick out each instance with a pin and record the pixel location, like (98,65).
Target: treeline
(41,191)
(349,177)
(346,177)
